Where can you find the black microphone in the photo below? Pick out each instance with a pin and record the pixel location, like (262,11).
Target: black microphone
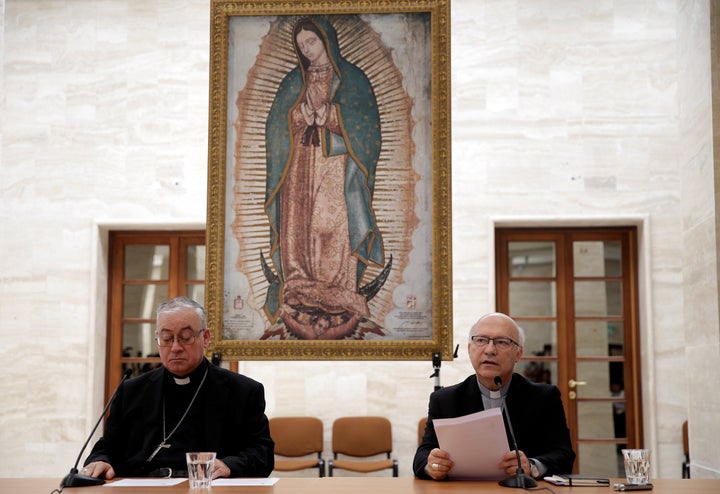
(519,479)
(74,479)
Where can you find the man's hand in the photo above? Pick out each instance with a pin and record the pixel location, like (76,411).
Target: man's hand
(221,469)
(99,469)
(439,464)
(509,463)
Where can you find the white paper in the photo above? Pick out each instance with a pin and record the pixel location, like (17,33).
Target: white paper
(145,482)
(245,482)
(554,479)
(476,443)
(154,482)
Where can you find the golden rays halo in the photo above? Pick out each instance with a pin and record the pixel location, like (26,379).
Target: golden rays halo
(394,199)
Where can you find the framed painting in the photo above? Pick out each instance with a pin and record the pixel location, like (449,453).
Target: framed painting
(329,205)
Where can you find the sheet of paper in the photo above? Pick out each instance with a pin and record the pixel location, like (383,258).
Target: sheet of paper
(476,442)
(245,482)
(151,482)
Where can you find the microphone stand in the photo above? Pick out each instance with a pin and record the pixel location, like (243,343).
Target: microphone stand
(437,361)
(519,480)
(74,479)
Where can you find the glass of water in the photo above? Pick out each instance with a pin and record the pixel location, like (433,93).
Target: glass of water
(637,466)
(200,469)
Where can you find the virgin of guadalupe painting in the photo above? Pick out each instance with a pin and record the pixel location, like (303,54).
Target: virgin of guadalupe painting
(331,184)
(323,141)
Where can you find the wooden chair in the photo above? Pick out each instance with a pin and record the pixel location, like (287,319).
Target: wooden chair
(297,437)
(686,450)
(421,429)
(362,437)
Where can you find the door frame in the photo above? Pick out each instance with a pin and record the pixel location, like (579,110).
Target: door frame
(634,340)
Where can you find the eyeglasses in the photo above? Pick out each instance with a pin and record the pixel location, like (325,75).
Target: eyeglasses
(187,338)
(501,342)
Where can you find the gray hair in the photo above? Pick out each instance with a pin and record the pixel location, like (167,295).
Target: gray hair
(179,304)
(521,331)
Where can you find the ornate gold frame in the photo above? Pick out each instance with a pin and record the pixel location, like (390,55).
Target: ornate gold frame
(436,15)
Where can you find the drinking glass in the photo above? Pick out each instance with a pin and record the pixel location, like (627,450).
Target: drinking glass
(637,465)
(200,469)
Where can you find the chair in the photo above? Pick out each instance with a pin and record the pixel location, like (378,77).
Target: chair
(362,437)
(686,450)
(421,429)
(296,437)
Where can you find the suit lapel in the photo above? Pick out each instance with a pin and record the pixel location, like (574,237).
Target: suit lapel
(152,411)
(472,398)
(215,401)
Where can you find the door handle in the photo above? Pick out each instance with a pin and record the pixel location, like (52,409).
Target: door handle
(573,383)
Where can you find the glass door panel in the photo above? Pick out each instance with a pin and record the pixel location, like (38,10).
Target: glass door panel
(531,259)
(195,272)
(147,262)
(196,262)
(532,298)
(598,338)
(196,292)
(597,258)
(540,338)
(598,298)
(140,301)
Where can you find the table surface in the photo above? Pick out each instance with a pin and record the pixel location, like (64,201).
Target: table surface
(353,485)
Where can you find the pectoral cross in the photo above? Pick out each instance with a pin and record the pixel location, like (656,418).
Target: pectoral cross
(157,450)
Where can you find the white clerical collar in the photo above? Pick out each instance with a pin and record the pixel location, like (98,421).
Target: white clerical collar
(182,381)
(492,394)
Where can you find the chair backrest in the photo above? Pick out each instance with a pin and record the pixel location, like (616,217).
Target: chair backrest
(296,436)
(686,442)
(361,436)
(421,429)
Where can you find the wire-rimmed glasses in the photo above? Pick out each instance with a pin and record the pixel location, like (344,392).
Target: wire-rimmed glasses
(184,339)
(500,342)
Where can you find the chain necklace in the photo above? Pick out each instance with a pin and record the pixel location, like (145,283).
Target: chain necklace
(164,444)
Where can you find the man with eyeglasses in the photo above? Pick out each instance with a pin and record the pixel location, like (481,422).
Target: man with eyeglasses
(535,409)
(188,404)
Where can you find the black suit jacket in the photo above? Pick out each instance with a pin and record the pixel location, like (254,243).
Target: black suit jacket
(235,425)
(536,411)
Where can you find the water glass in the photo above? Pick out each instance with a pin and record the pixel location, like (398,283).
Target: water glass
(637,466)
(200,469)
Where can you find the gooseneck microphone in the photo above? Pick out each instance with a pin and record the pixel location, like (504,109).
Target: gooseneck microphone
(519,480)
(74,479)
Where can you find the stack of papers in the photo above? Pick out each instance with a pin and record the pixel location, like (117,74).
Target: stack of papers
(577,480)
(476,443)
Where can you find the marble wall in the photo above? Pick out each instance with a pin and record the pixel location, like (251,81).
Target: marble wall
(564,112)
(698,151)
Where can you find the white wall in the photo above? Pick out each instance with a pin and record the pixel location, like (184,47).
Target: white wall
(563,112)
(700,235)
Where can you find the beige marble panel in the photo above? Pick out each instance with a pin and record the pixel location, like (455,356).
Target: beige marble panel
(700,268)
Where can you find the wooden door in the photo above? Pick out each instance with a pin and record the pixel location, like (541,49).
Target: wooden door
(574,291)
